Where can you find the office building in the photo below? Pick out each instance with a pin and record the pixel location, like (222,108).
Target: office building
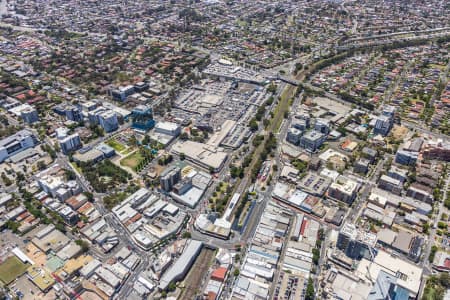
(406,158)
(108,121)
(122,93)
(141,87)
(305,117)
(88,106)
(312,140)
(343,189)
(383,125)
(72,113)
(170,177)
(420,192)
(16,143)
(389,111)
(301,124)
(25,111)
(397,173)
(390,184)
(361,166)
(322,125)
(438,149)
(182,186)
(142,118)
(392,277)
(70,143)
(355,243)
(29,115)
(293,136)
(369,154)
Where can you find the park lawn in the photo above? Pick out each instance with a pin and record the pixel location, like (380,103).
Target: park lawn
(127,150)
(10,269)
(116,145)
(132,160)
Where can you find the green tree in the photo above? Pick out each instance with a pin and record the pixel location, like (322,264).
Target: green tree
(310,290)
(83,244)
(89,196)
(184,136)
(61,227)
(253,124)
(316,255)
(172,287)
(433,251)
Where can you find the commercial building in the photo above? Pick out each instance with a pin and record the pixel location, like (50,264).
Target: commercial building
(142,118)
(88,155)
(382,198)
(169,128)
(294,197)
(213,226)
(180,268)
(394,278)
(141,87)
(312,140)
(87,106)
(356,243)
(208,157)
(16,143)
(402,242)
(302,124)
(441,261)
(343,189)
(315,184)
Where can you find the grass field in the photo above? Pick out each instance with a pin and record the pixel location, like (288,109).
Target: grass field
(10,269)
(132,160)
(116,145)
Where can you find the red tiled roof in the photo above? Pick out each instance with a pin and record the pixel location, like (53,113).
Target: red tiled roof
(219,274)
